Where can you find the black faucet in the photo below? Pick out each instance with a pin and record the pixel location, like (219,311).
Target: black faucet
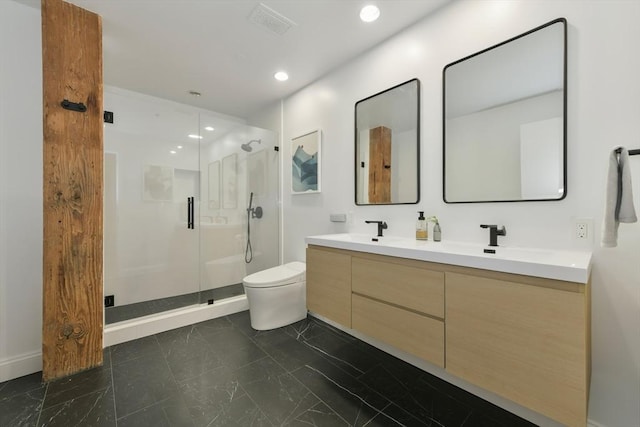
(381,226)
(494,232)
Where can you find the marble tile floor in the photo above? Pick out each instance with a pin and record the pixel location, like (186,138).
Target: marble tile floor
(223,373)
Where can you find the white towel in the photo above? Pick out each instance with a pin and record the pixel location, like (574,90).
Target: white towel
(619,198)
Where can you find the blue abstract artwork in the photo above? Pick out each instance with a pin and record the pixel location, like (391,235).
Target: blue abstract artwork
(305,163)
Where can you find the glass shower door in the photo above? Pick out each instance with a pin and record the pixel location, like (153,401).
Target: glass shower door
(152,182)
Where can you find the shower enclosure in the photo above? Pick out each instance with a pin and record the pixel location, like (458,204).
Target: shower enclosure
(178,181)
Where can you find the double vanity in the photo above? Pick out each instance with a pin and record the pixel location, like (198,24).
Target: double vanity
(515,322)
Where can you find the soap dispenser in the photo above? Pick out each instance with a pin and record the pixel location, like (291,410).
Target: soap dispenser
(422,232)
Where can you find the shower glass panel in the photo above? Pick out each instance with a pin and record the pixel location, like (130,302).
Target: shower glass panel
(240,167)
(178,226)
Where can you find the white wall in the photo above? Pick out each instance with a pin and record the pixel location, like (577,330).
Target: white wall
(603,110)
(20,190)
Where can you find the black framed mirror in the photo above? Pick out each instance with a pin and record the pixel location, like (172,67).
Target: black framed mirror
(504,121)
(387,146)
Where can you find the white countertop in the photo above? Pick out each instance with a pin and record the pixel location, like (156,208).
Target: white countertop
(572,266)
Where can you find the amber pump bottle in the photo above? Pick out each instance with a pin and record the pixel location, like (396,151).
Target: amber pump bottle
(422,232)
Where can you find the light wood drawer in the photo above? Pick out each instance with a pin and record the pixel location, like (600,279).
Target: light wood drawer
(419,335)
(525,343)
(329,285)
(415,288)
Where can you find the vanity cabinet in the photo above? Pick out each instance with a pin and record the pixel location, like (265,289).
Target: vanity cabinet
(521,337)
(528,342)
(402,305)
(329,284)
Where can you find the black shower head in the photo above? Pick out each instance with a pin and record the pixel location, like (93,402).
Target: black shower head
(247,147)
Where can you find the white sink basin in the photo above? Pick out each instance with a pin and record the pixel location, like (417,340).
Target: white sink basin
(572,266)
(365,238)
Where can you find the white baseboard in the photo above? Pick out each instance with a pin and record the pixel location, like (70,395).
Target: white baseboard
(129,330)
(21,365)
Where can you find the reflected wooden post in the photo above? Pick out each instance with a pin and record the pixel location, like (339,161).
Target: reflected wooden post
(380,165)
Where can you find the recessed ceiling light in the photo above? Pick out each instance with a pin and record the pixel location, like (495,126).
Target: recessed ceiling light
(173,152)
(369,13)
(179,147)
(281,76)
(210,128)
(194,136)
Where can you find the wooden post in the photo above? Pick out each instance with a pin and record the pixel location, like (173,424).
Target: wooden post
(72,156)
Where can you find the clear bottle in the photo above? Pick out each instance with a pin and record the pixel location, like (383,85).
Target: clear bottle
(422,232)
(437,233)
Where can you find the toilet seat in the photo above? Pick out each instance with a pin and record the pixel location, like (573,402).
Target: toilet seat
(277,276)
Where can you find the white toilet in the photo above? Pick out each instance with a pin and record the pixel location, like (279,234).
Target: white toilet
(277,296)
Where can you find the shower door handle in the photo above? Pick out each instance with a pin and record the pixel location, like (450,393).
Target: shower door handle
(190,213)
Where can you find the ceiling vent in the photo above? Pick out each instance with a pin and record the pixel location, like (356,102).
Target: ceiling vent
(271,20)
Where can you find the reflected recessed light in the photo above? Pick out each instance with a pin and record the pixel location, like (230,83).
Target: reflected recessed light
(194,136)
(210,128)
(179,147)
(173,152)
(281,76)
(369,13)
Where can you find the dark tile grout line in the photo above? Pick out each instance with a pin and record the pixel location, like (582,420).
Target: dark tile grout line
(46,390)
(113,387)
(287,371)
(330,360)
(251,398)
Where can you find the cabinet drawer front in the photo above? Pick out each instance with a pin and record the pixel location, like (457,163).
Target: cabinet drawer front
(408,331)
(526,343)
(415,288)
(329,285)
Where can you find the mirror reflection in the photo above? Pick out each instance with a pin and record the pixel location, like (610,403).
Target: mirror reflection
(387,142)
(504,120)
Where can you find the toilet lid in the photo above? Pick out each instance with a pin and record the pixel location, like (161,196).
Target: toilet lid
(277,276)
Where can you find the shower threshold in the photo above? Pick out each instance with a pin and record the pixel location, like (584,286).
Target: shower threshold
(132,311)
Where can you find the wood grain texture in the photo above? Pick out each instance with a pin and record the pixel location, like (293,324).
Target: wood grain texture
(72,190)
(411,332)
(526,343)
(379,157)
(415,288)
(329,284)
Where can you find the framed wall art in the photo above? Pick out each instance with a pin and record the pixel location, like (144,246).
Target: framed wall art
(306,163)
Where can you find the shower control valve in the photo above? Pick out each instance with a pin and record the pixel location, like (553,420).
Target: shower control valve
(256,212)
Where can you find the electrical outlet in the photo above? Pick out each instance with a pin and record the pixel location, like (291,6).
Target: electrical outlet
(583,229)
